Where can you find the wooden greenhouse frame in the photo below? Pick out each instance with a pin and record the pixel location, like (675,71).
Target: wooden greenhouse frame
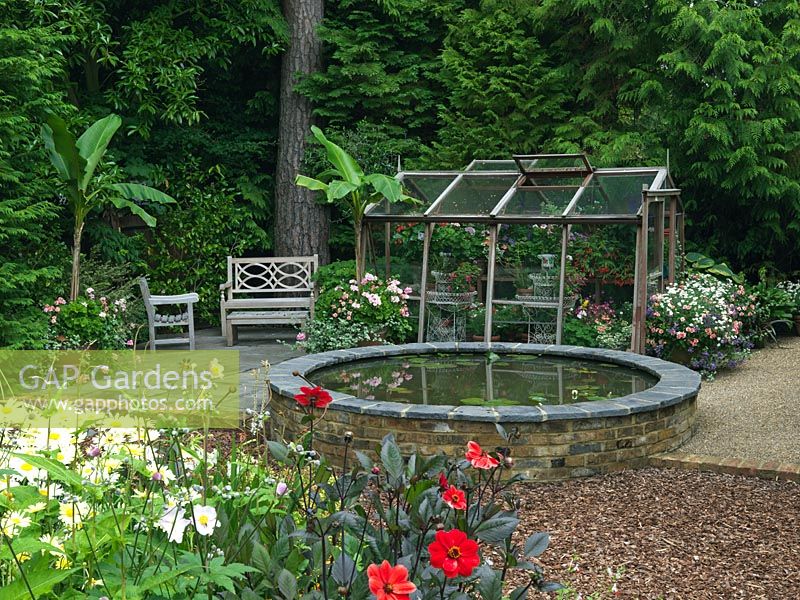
(521,191)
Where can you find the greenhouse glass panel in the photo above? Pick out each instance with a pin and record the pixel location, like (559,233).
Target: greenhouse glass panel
(655,248)
(475,195)
(569,162)
(540,201)
(425,188)
(614,194)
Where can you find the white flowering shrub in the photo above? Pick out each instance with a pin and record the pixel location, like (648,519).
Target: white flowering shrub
(792,288)
(704,319)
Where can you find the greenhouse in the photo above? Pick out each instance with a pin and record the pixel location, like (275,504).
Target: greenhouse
(557,194)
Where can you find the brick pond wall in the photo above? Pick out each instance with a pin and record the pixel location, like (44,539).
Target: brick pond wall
(553,441)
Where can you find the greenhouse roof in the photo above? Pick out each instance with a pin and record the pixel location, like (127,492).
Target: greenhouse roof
(538,188)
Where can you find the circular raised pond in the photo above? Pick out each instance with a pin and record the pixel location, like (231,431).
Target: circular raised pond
(575,411)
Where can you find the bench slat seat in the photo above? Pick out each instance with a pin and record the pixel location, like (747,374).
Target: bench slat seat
(253,317)
(260,291)
(268,303)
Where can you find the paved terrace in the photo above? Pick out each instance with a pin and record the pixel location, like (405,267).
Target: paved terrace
(256,344)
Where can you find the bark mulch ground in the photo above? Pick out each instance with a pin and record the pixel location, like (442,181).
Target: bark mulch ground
(674,534)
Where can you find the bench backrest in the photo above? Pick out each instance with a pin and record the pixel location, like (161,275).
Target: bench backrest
(272,275)
(146,297)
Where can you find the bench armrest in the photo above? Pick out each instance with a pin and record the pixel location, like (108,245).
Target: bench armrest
(177,299)
(224,286)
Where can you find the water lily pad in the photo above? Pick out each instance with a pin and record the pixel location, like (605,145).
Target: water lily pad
(474,401)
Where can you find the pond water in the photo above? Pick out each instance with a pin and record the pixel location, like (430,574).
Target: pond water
(483,379)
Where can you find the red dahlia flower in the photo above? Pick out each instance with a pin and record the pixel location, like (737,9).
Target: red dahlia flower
(389,583)
(443,483)
(455,498)
(454,553)
(314,397)
(478,458)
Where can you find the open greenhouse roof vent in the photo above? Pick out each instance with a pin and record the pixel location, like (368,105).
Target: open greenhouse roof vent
(527,188)
(537,166)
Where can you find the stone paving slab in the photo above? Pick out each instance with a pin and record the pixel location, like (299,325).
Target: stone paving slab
(255,344)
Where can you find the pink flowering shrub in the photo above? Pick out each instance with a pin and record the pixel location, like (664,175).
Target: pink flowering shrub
(705,320)
(379,305)
(87,323)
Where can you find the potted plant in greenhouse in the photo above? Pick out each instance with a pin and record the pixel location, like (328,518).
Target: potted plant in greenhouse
(476,321)
(522,280)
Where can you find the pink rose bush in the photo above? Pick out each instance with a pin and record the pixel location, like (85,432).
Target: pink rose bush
(88,322)
(374,308)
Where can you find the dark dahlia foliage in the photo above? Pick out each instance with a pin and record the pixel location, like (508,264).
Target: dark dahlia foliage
(421,525)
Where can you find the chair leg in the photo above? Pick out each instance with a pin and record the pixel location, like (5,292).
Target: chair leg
(152,330)
(228,333)
(191,327)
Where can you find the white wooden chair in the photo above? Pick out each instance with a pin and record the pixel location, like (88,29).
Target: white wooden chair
(156,320)
(267,291)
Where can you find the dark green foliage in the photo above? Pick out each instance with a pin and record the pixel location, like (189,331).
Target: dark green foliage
(715,84)
(335,273)
(189,248)
(383,65)
(30,253)
(150,61)
(730,108)
(502,96)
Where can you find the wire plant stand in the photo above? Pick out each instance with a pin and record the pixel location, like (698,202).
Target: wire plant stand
(447,315)
(542,315)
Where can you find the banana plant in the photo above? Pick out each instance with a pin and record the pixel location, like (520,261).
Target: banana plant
(76,161)
(346,183)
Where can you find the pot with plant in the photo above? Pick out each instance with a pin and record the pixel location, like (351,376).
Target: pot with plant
(522,280)
(476,321)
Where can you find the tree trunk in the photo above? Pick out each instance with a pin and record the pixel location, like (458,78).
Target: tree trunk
(359,253)
(92,72)
(301,223)
(75,283)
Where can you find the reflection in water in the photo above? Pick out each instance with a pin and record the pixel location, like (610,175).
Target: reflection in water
(483,380)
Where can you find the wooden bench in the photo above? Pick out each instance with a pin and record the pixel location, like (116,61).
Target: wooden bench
(267,291)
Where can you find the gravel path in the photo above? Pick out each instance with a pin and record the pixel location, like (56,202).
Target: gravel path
(753,411)
(673,534)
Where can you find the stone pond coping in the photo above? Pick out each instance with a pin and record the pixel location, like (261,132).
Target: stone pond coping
(675,384)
